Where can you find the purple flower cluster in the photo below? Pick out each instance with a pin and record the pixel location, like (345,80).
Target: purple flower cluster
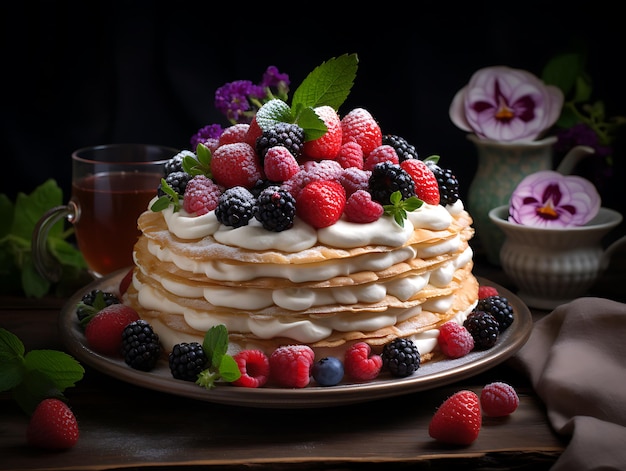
(210,131)
(580,135)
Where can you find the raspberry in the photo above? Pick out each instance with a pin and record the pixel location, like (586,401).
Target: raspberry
(426,186)
(350,155)
(484,328)
(280,164)
(454,340)
(353,179)
(321,203)
(104,331)
(382,153)
(290,366)
(401,357)
(236,165)
(312,171)
(498,399)
(283,134)
(359,126)
(328,145)
(233,134)
(254,367)
(361,208)
(486,291)
(201,195)
(360,364)
(458,420)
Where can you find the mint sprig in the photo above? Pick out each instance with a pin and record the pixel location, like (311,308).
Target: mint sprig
(36,375)
(329,84)
(221,365)
(399,207)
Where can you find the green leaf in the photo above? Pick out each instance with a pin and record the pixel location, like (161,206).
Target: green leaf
(11,360)
(29,208)
(329,84)
(313,126)
(229,371)
(7,211)
(562,71)
(215,344)
(398,207)
(273,112)
(35,387)
(62,369)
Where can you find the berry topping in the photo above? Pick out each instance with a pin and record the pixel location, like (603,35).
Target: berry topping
(381,154)
(236,206)
(498,307)
(201,195)
(353,179)
(457,420)
(401,357)
(426,186)
(359,126)
(360,364)
(328,145)
(287,135)
(361,208)
(486,291)
(280,164)
(177,181)
(447,182)
(52,426)
(140,346)
(388,178)
(104,331)
(254,367)
(236,165)
(498,399)
(328,371)
(404,150)
(454,340)
(321,203)
(290,366)
(233,134)
(350,155)
(484,328)
(187,360)
(175,164)
(276,209)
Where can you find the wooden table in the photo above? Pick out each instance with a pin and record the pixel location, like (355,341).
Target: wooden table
(125,426)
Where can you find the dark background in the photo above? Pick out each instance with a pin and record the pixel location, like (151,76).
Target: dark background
(84,73)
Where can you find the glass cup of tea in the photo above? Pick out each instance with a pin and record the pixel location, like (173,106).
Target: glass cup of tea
(111,186)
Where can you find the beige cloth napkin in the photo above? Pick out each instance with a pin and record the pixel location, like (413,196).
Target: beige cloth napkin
(576,360)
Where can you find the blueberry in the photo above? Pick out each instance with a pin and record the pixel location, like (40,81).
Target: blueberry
(328,371)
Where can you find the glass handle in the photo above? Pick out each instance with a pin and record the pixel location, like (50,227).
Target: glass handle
(45,263)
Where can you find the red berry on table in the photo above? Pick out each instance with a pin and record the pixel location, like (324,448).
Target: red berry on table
(52,426)
(359,126)
(458,419)
(360,364)
(328,145)
(126,281)
(290,365)
(254,367)
(321,203)
(454,340)
(426,186)
(498,399)
(486,292)
(104,331)
(361,208)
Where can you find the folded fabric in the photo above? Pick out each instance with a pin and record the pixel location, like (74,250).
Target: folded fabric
(576,360)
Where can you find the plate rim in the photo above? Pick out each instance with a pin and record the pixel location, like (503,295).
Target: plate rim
(160,378)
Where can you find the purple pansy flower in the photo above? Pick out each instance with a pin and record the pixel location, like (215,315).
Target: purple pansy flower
(549,199)
(505,104)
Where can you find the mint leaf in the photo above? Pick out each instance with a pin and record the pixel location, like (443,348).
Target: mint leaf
(221,366)
(11,360)
(398,207)
(273,112)
(215,344)
(201,165)
(229,371)
(62,369)
(313,126)
(170,197)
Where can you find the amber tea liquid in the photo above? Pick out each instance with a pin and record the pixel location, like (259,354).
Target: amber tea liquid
(110,203)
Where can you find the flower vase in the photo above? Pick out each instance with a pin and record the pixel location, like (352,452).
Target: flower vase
(501,167)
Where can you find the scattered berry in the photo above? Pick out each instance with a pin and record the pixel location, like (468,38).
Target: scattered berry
(283,134)
(401,357)
(126,281)
(454,340)
(141,348)
(321,203)
(486,291)
(104,331)
(177,181)
(498,307)
(498,399)
(254,367)
(328,371)
(290,366)
(329,145)
(457,420)
(187,360)
(52,426)
(361,208)
(92,303)
(484,328)
(360,364)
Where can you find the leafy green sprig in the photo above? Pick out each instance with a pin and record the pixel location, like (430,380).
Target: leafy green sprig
(36,375)
(398,207)
(222,367)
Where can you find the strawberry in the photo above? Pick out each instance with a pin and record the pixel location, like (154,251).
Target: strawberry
(236,165)
(350,155)
(361,208)
(359,126)
(321,203)
(458,419)
(359,363)
(498,399)
(254,367)
(486,292)
(454,340)
(104,331)
(279,164)
(232,134)
(254,132)
(52,426)
(383,153)
(126,281)
(426,186)
(290,366)
(326,147)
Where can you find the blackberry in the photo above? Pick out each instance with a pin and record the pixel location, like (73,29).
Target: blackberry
(187,361)
(140,345)
(386,178)
(484,329)
(175,164)
(288,135)
(93,302)
(401,357)
(447,183)
(402,147)
(276,209)
(177,181)
(498,307)
(236,207)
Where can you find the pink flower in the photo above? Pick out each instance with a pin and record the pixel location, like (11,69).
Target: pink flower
(505,104)
(549,199)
